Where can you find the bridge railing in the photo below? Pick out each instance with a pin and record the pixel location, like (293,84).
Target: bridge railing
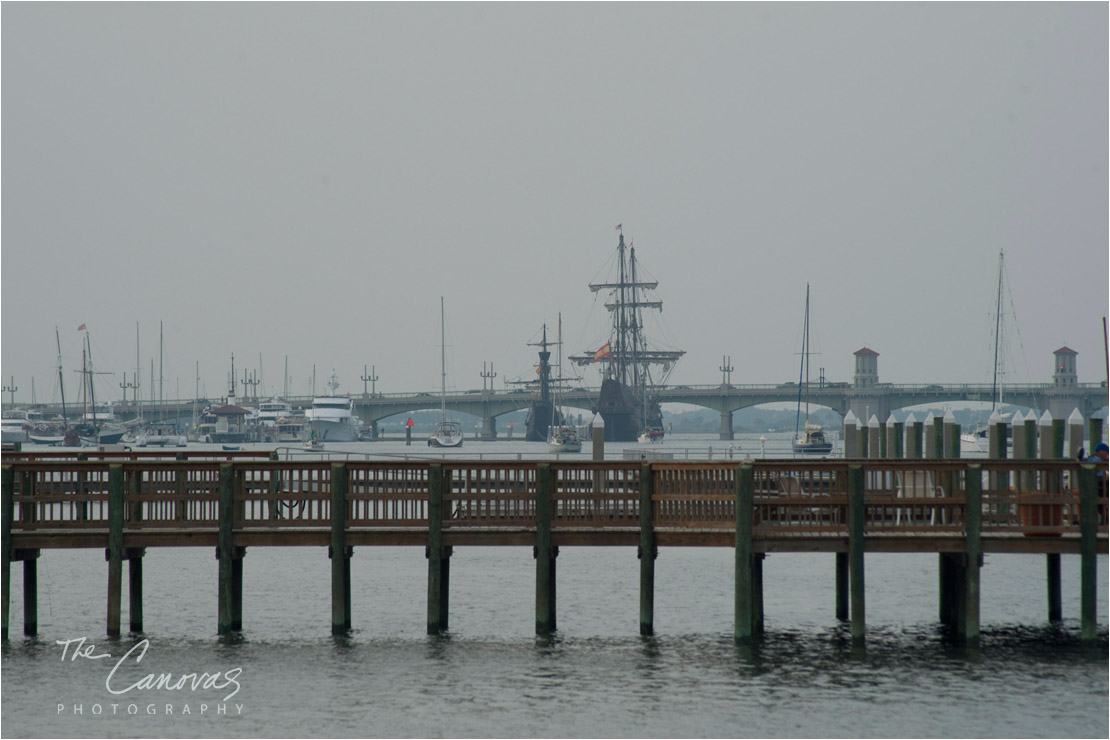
(791,498)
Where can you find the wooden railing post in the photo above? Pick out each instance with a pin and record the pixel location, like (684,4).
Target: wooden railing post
(744,617)
(855,551)
(339,553)
(647,551)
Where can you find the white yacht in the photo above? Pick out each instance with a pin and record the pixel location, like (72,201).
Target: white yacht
(16,427)
(331,418)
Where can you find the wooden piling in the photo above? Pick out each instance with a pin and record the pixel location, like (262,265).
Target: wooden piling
(855,552)
(1088,551)
(8,514)
(225,551)
(647,551)
(1094,434)
(545,553)
(134,556)
(973,547)
(438,563)
(339,553)
(744,625)
(842,586)
(115,548)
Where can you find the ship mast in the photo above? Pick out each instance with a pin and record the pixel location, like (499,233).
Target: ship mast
(629,348)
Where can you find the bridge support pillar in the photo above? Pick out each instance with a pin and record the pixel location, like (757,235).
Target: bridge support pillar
(489,428)
(726,425)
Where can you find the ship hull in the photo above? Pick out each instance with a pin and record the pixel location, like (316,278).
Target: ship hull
(622,409)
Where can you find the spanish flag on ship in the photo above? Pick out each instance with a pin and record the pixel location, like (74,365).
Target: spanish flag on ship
(602,353)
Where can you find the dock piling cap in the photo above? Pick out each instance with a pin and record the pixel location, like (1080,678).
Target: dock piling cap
(598,421)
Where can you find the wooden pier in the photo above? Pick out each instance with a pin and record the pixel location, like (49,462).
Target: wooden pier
(123,503)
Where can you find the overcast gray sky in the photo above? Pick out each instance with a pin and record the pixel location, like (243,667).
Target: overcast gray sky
(306,180)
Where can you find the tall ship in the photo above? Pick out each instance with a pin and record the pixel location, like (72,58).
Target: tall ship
(633,368)
(543,412)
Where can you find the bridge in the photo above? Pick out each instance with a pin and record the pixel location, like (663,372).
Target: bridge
(877,400)
(865,397)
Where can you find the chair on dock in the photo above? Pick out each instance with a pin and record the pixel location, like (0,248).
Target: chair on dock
(917,484)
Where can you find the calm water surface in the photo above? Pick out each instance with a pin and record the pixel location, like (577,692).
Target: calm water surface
(490,676)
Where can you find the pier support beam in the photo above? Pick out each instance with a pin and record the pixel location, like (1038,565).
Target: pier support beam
(134,557)
(114,554)
(842,586)
(1088,552)
(968,625)
(545,552)
(855,552)
(230,601)
(745,611)
(7,481)
(647,551)
(1052,580)
(340,554)
(439,557)
(726,425)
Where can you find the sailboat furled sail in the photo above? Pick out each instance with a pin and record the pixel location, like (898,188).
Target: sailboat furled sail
(627,401)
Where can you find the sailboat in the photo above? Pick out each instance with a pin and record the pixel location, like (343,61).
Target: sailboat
(447,433)
(93,430)
(810,440)
(977,440)
(626,401)
(46,433)
(561,437)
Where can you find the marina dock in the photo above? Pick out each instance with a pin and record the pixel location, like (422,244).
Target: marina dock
(124,502)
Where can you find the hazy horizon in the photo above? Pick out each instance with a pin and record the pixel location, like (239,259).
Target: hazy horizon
(305,181)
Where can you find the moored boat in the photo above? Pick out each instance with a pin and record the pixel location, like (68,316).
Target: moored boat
(811,439)
(447,433)
(332,417)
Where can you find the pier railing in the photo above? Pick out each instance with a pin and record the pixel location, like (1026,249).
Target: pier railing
(955,508)
(791,500)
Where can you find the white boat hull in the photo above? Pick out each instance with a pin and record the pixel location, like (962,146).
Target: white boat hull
(341,430)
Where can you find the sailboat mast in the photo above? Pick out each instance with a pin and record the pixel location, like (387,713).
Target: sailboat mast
(443,358)
(802,370)
(61,379)
(622,316)
(92,388)
(995,397)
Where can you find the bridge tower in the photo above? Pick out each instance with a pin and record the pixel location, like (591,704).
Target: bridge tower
(867,368)
(866,398)
(1064,396)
